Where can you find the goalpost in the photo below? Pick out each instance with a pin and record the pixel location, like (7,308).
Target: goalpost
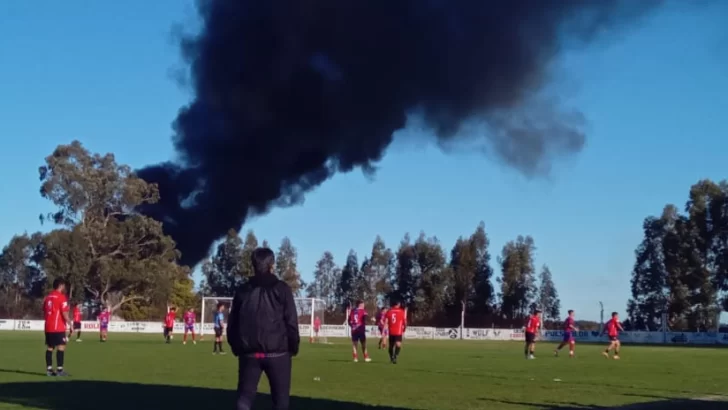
(311,316)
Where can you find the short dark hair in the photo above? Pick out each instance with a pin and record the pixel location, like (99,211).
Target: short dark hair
(359,302)
(571,311)
(614,314)
(219,305)
(263,260)
(58,282)
(395,302)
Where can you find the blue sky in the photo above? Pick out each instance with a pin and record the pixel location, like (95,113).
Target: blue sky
(101,72)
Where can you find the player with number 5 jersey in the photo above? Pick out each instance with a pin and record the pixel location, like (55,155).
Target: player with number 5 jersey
(396,321)
(56,313)
(357,322)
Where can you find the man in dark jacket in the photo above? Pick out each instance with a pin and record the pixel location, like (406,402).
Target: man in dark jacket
(263,333)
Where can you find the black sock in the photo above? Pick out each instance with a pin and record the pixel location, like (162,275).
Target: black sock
(606,350)
(397,350)
(616,352)
(219,346)
(60,356)
(525,351)
(214,347)
(391,351)
(78,335)
(49,359)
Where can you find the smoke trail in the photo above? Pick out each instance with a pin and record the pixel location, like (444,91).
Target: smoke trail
(289,92)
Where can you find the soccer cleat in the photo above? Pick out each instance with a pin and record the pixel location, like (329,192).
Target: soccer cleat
(79,340)
(616,357)
(194,343)
(531,357)
(50,373)
(62,373)
(356,360)
(223,353)
(367,360)
(605,354)
(556,353)
(184,343)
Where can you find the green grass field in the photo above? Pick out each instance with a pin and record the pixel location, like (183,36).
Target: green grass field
(140,372)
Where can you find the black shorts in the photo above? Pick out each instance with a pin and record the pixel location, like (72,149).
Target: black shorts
(359,337)
(530,337)
(55,339)
(394,339)
(76,325)
(614,338)
(218,332)
(168,330)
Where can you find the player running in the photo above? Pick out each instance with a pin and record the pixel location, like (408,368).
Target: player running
(219,325)
(396,324)
(76,323)
(612,328)
(57,320)
(189,319)
(383,333)
(169,320)
(357,322)
(569,329)
(104,318)
(533,326)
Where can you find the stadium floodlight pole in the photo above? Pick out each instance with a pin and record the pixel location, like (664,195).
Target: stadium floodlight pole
(601,315)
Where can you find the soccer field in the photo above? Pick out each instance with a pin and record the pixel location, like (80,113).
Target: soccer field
(140,372)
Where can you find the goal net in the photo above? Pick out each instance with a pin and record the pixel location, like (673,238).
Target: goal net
(311,319)
(207,312)
(311,316)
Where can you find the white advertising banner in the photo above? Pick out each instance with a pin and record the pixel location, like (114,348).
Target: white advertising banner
(414,332)
(7,324)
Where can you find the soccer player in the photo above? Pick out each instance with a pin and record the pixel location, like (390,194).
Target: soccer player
(57,320)
(104,318)
(612,328)
(533,326)
(569,329)
(383,333)
(189,319)
(316,328)
(357,322)
(169,320)
(219,325)
(76,322)
(396,321)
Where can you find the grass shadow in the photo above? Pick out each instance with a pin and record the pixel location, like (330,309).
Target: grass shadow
(18,371)
(92,395)
(668,404)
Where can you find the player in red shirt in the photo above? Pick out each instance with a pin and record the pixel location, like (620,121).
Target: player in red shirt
(316,329)
(569,329)
(76,322)
(533,326)
(358,324)
(396,321)
(612,328)
(104,319)
(169,320)
(57,320)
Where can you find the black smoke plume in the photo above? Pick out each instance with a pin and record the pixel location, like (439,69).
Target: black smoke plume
(289,92)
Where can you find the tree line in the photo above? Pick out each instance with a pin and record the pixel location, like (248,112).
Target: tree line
(435,287)
(681,267)
(114,256)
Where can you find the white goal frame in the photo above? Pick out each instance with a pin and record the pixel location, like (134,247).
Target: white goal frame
(312,317)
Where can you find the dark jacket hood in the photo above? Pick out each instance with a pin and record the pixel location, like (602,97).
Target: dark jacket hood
(266,280)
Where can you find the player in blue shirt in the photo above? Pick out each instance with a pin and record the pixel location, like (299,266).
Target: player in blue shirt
(219,325)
